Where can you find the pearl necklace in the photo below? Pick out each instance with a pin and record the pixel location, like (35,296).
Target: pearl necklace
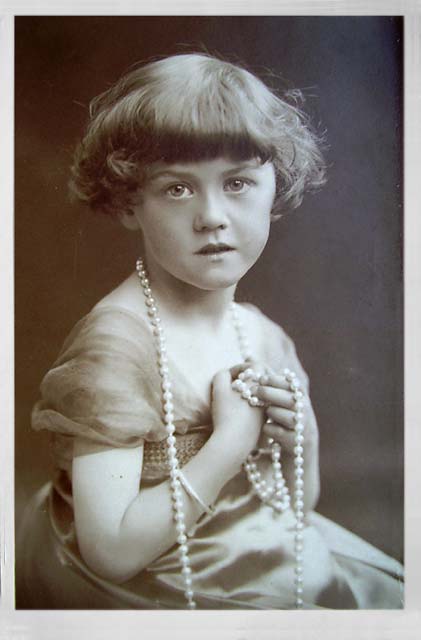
(277,497)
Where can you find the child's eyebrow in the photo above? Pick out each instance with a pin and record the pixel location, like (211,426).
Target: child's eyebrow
(248,165)
(167,172)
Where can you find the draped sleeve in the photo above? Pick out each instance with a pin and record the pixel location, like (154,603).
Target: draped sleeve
(104,385)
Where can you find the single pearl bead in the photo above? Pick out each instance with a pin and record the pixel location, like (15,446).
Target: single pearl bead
(175,484)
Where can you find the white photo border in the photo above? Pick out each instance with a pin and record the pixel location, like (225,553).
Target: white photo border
(238,625)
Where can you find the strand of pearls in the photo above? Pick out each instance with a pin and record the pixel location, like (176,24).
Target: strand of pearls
(294,385)
(277,496)
(168,407)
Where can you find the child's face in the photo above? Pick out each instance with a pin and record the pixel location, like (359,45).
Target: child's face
(206,223)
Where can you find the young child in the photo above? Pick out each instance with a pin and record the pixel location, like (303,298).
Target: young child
(185,443)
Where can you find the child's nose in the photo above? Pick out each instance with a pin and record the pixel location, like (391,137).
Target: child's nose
(211,213)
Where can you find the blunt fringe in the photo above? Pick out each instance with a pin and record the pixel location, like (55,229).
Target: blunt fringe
(192,107)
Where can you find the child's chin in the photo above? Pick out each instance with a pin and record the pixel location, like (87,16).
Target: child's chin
(218,282)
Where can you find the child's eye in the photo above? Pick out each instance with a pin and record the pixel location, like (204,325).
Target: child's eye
(179,190)
(237,185)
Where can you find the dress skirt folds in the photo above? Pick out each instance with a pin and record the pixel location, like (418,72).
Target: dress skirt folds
(104,386)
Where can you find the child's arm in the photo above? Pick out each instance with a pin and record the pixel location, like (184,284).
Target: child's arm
(275,393)
(120,529)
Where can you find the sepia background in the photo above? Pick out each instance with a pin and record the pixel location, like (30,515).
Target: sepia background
(331,274)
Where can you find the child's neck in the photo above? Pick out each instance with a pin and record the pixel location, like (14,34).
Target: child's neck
(189,304)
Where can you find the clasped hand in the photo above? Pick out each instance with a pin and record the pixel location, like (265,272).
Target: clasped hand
(247,427)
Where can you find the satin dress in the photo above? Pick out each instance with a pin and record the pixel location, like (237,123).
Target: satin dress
(105,387)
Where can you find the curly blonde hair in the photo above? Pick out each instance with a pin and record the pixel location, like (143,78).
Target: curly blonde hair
(192,107)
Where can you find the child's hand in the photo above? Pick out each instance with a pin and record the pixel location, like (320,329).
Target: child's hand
(238,424)
(274,391)
(279,401)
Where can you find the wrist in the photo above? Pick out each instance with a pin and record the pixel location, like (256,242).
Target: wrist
(227,450)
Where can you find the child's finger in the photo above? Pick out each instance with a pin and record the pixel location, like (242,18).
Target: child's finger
(283,417)
(279,381)
(239,368)
(221,382)
(285,437)
(275,396)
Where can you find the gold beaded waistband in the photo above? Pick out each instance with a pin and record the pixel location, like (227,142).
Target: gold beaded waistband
(155,461)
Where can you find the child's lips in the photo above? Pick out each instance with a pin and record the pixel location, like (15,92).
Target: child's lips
(212,249)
